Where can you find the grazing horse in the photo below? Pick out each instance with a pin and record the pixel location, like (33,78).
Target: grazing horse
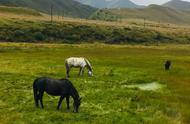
(78,62)
(167,65)
(56,87)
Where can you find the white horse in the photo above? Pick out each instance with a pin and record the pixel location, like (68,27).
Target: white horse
(78,62)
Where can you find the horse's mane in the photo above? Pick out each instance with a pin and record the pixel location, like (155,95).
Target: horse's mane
(72,87)
(88,64)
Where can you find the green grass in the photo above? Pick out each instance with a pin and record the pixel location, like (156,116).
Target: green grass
(105,100)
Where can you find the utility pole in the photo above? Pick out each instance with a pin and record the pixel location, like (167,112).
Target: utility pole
(120,18)
(63,14)
(51,13)
(58,15)
(159,23)
(144,22)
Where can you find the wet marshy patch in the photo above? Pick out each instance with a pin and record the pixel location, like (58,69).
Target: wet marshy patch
(153,86)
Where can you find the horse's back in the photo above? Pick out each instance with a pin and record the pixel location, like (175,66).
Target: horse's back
(76,61)
(39,81)
(52,86)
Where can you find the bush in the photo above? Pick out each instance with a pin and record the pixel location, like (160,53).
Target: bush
(18,33)
(39,36)
(76,33)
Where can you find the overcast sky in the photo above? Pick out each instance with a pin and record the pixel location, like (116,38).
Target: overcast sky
(147,2)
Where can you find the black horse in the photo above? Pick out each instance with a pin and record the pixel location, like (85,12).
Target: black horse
(56,87)
(167,65)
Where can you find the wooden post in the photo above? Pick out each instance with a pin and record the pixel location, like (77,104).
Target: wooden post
(120,15)
(51,13)
(63,14)
(159,23)
(58,15)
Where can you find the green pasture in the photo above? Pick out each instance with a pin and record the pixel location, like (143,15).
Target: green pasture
(105,99)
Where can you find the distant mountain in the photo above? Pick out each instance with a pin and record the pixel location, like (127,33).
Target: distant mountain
(152,13)
(60,7)
(178,4)
(122,4)
(109,3)
(94,3)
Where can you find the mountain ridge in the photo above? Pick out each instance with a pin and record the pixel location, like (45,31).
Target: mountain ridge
(110,3)
(178,4)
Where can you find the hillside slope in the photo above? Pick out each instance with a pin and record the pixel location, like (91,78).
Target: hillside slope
(178,4)
(18,11)
(110,3)
(60,7)
(152,13)
(64,32)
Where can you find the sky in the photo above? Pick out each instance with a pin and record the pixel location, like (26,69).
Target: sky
(147,2)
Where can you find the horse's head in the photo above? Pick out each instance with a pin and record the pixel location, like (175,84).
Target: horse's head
(76,105)
(90,73)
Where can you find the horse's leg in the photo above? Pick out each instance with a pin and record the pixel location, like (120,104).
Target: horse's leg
(36,97)
(68,69)
(35,91)
(80,71)
(60,101)
(41,98)
(67,100)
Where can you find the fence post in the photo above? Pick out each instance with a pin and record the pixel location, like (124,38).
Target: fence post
(63,14)
(144,22)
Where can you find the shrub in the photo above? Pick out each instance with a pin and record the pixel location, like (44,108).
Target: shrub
(75,33)
(39,36)
(18,33)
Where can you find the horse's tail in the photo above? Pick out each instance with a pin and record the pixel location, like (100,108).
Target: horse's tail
(88,64)
(67,68)
(66,64)
(35,91)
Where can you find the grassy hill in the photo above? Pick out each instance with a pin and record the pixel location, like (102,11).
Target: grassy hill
(69,32)
(19,11)
(60,7)
(17,28)
(178,4)
(152,12)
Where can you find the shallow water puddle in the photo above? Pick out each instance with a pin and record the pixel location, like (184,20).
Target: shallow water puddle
(150,86)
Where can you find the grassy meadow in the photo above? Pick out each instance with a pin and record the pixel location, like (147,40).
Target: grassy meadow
(105,97)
